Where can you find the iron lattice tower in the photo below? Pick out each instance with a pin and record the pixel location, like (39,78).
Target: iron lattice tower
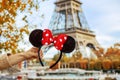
(68,18)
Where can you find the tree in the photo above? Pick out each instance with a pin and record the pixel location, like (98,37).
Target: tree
(98,65)
(99,52)
(56,56)
(110,51)
(91,65)
(83,63)
(63,59)
(76,56)
(107,64)
(10,34)
(116,64)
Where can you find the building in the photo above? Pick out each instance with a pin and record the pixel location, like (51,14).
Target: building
(69,18)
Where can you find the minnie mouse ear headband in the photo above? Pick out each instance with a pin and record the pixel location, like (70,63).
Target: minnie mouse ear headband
(62,42)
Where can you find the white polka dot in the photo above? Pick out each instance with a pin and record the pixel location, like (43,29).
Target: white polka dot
(47,35)
(46,43)
(42,39)
(65,38)
(60,40)
(51,39)
(61,45)
(54,41)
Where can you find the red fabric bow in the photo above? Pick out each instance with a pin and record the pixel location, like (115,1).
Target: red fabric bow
(58,41)
(47,37)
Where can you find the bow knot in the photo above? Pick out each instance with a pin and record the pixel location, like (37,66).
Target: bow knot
(47,38)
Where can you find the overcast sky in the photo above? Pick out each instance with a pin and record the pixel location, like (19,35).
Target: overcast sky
(103,17)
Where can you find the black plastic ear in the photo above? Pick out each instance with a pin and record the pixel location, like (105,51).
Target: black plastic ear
(36,37)
(69,45)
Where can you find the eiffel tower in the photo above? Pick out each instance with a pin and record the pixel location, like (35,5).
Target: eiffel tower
(69,18)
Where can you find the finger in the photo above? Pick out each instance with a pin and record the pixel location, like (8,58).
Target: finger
(35,50)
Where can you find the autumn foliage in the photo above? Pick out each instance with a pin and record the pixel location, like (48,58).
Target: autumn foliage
(107,60)
(10,34)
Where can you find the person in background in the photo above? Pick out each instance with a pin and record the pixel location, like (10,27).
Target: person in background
(9,60)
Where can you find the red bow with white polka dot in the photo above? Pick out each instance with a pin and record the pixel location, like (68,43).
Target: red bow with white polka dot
(47,37)
(58,41)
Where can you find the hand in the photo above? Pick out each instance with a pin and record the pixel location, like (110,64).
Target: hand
(33,53)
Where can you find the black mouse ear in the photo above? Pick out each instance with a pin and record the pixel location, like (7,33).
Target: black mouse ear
(69,45)
(36,37)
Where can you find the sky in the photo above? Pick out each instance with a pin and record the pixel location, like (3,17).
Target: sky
(103,17)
